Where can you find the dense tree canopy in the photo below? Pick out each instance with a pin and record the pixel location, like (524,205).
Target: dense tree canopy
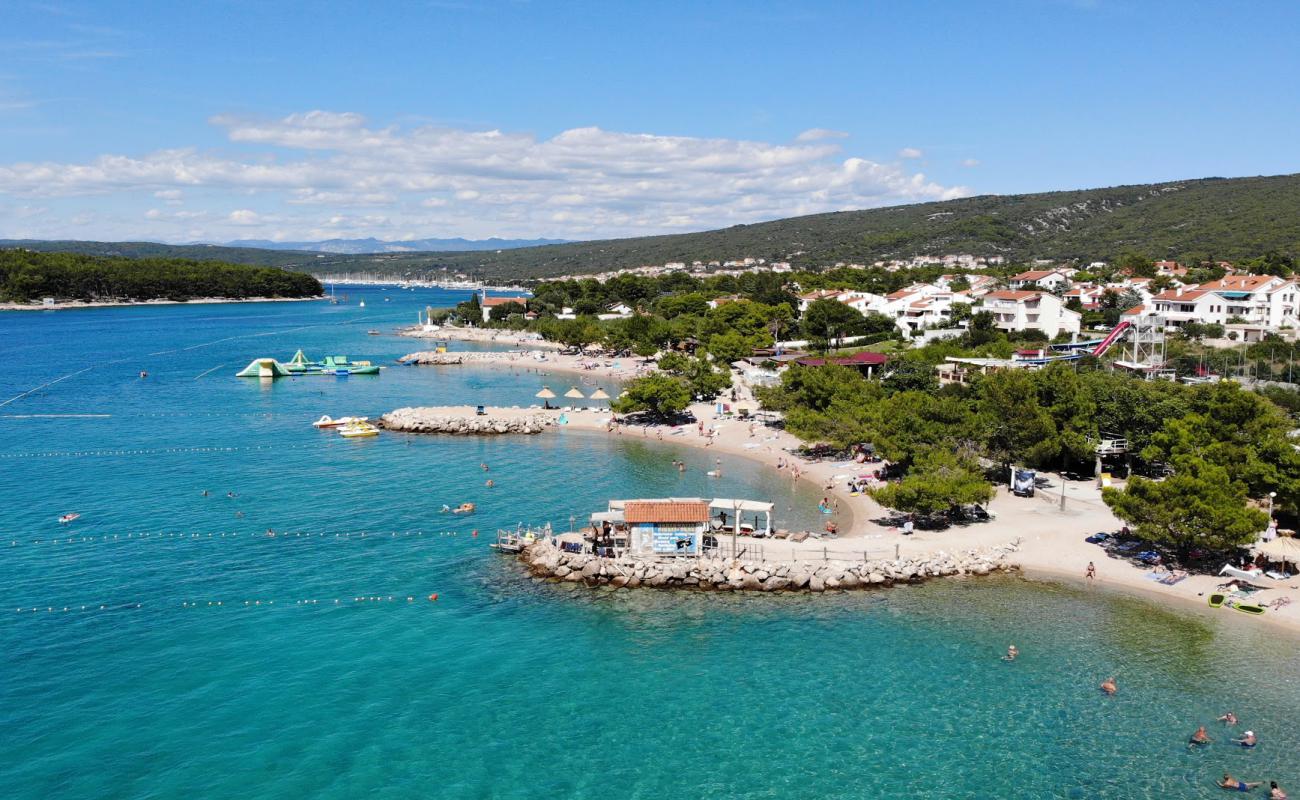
(26,276)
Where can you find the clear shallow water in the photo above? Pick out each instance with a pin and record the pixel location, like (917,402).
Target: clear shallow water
(504,687)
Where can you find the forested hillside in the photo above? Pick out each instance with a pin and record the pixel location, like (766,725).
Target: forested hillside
(27,276)
(1209,218)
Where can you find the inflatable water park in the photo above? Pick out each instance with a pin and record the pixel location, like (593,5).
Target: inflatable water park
(301,365)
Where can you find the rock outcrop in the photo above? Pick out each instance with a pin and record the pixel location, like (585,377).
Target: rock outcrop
(431,358)
(466,423)
(545,559)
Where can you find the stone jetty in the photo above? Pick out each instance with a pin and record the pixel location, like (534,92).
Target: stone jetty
(465,421)
(545,559)
(432,358)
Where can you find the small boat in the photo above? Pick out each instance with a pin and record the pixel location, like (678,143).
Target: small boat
(358,430)
(327,422)
(1216,599)
(373,333)
(66,518)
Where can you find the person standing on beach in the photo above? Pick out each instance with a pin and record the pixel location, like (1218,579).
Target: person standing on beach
(1091,572)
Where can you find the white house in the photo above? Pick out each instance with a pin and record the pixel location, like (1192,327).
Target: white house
(1049,279)
(1026,311)
(1258,303)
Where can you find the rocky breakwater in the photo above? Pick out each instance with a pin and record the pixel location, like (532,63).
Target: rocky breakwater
(545,559)
(465,422)
(430,358)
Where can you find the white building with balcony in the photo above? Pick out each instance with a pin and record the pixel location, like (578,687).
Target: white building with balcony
(1030,311)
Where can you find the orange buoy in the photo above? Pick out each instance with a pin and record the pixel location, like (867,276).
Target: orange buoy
(433,597)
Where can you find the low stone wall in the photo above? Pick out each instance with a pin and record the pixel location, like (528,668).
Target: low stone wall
(546,559)
(467,423)
(432,358)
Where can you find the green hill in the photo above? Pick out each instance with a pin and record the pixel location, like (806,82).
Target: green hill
(1208,218)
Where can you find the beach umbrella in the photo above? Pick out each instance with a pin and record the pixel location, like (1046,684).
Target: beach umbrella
(545,393)
(575,394)
(1283,549)
(599,394)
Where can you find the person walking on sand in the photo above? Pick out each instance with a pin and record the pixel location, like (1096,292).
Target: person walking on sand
(1091,572)
(1108,686)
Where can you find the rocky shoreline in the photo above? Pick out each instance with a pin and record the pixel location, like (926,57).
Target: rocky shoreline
(545,559)
(466,422)
(431,358)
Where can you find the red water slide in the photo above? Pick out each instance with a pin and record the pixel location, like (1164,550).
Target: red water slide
(1111,338)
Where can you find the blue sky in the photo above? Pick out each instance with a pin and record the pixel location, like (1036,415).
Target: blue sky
(225,120)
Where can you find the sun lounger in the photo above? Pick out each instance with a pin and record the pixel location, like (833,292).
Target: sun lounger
(781,533)
(1240,574)
(799,537)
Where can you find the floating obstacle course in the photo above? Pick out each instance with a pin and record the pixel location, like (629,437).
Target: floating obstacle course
(301,365)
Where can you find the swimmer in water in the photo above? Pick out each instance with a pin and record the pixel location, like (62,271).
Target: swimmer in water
(205,492)
(1233,785)
(1200,738)
(1108,686)
(1275,792)
(1248,740)
(489,484)
(484,467)
(1228,718)
(1012,652)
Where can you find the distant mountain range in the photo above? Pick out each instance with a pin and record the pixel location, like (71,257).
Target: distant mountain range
(366,246)
(1192,220)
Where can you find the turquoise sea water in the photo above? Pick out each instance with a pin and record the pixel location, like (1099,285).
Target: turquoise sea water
(505,687)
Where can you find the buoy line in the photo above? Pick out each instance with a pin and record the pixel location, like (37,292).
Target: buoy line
(155,451)
(192,536)
(257,602)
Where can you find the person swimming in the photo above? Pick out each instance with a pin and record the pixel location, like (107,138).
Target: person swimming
(1248,740)
(1012,652)
(1233,785)
(1228,718)
(1275,792)
(1200,737)
(1108,686)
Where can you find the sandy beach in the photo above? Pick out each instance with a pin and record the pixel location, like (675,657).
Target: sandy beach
(1051,534)
(1051,539)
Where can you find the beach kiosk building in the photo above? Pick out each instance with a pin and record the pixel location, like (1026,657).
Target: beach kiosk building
(678,526)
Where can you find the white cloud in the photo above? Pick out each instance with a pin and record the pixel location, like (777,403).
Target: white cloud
(296,175)
(817,134)
(911,152)
(970,162)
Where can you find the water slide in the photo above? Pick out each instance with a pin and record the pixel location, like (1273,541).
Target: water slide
(1111,338)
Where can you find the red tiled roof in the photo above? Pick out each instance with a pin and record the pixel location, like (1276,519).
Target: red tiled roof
(500,301)
(1187,294)
(1007,294)
(636,511)
(1034,275)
